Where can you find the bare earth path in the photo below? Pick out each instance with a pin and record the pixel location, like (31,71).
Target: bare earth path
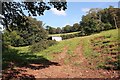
(70,70)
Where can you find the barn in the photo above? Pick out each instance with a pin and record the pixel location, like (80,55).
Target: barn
(56,38)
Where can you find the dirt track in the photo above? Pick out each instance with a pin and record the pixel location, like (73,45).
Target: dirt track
(69,70)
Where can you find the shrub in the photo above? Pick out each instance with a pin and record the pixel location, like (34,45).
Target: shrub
(51,42)
(41,45)
(68,36)
(107,26)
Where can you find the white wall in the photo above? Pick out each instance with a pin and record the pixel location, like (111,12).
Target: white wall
(57,38)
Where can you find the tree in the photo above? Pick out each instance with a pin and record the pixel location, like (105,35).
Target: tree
(16,18)
(67,29)
(14,11)
(75,27)
(97,20)
(52,30)
(113,15)
(110,15)
(26,35)
(47,27)
(58,30)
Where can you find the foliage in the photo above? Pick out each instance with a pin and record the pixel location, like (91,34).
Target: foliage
(71,45)
(14,12)
(66,29)
(26,35)
(97,20)
(51,30)
(58,30)
(75,27)
(23,30)
(6,39)
(68,36)
(41,45)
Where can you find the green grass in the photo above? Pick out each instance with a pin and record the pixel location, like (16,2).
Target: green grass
(22,49)
(110,37)
(73,44)
(70,44)
(63,34)
(87,40)
(102,43)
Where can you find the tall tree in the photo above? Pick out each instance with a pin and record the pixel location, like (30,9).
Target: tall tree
(58,30)
(67,29)
(14,11)
(26,35)
(75,27)
(113,14)
(52,30)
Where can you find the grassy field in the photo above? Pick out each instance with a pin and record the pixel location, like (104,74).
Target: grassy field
(95,48)
(94,52)
(71,44)
(62,34)
(102,49)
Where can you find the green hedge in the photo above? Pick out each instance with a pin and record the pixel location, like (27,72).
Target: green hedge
(68,36)
(41,45)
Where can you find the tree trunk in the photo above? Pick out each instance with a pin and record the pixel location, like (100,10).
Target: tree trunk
(115,23)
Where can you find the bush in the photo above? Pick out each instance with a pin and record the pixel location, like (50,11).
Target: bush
(68,36)
(43,44)
(51,42)
(107,26)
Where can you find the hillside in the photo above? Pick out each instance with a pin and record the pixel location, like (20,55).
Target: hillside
(94,56)
(63,34)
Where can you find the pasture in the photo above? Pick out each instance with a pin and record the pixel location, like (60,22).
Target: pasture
(76,57)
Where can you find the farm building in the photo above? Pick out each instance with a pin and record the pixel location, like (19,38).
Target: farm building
(56,38)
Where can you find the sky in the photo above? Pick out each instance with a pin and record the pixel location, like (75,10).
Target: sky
(73,13)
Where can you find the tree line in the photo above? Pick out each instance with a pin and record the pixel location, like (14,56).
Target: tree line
(95,20)
(22,30)
(32,33)
(98,20)
(66,29)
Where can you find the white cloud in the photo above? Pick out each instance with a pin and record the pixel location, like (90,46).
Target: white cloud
(85,9)
(57,12)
